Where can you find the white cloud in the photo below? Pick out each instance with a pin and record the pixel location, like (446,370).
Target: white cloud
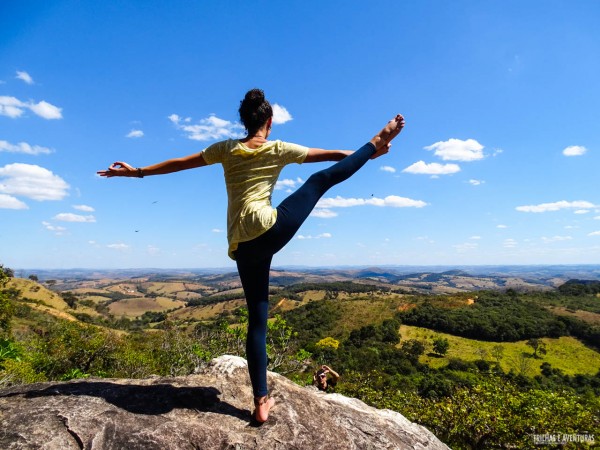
(46,110)
(545,207)
(387,169)
(475,238)
(32,181)
(594,233)
(24,76)
(476,182)
(211,128)
(70,217)
(280,115)
(509,243)
(287,183)
(56,229)
(13,107)
(422,168)
(152,250)
(135,134)
(323,213)
(597,218)
(548,240)
(23,147)
(10,202)
(216,230)
(392,201)
(501,226)
(457,150)
(319,236)
(84,208)
(581,211)
(574,150)
(118,246)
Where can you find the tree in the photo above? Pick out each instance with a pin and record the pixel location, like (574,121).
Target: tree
(538,346)
(6,307)
(498,352)
(441,346)
(412,349)
(33,277)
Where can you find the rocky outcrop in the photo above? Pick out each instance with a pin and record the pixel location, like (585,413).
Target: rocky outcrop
(210,410)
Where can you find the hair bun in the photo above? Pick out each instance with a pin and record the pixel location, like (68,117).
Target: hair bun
(255,97)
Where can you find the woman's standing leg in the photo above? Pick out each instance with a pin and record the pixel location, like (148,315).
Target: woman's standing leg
(254,274)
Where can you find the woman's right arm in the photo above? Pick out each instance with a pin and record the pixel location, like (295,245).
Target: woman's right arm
(320,155)
(122,169)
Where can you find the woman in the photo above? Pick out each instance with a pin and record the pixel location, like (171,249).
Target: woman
(256,230)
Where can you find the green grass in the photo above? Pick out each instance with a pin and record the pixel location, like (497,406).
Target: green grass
(565,353)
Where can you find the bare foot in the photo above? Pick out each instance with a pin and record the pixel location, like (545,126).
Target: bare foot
(263,405)
(382,140)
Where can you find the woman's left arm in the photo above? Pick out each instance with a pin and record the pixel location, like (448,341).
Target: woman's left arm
(320,155)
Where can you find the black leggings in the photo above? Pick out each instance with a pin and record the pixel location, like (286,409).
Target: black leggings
(253,258)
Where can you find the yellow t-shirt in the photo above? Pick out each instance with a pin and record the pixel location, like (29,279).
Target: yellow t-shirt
(250,177)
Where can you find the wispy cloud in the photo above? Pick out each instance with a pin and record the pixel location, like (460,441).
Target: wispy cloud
(10,202)
(457,150)
(464,247)
(594,233)
(84,208)
(556,206)
(421,168)
(509,243)
(288,183)
(389,169)
(323,213)
(501,226)
(13,107)
(216,230)
(319,236)
(24,76)
(549,240)
(23,147)
(54,228)
(280,115)
(476,182)
(70,217)
(118,246)
(392,201)
(135,134)
(210,128)
(574,150)
(31,181)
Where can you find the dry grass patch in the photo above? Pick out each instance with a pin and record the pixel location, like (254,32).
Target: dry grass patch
(207,312)
(586,316)
(565,353)
(135,307)
(31,289)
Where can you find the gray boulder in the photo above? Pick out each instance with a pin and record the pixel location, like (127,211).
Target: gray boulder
(210,410)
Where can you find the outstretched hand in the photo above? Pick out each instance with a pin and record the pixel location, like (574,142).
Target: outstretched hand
(118,169)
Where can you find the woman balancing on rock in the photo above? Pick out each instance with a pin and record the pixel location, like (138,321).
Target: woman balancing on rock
(256,230)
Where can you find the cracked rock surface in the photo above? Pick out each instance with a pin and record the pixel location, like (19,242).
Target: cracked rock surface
(210,410)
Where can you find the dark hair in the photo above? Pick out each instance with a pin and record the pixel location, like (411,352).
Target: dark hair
(254,111)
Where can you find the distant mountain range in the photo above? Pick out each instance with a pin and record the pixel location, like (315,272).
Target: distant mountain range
(433,279)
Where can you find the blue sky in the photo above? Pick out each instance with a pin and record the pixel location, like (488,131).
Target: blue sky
(498,163)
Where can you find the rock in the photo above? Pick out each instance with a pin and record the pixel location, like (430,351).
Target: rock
(210,410)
